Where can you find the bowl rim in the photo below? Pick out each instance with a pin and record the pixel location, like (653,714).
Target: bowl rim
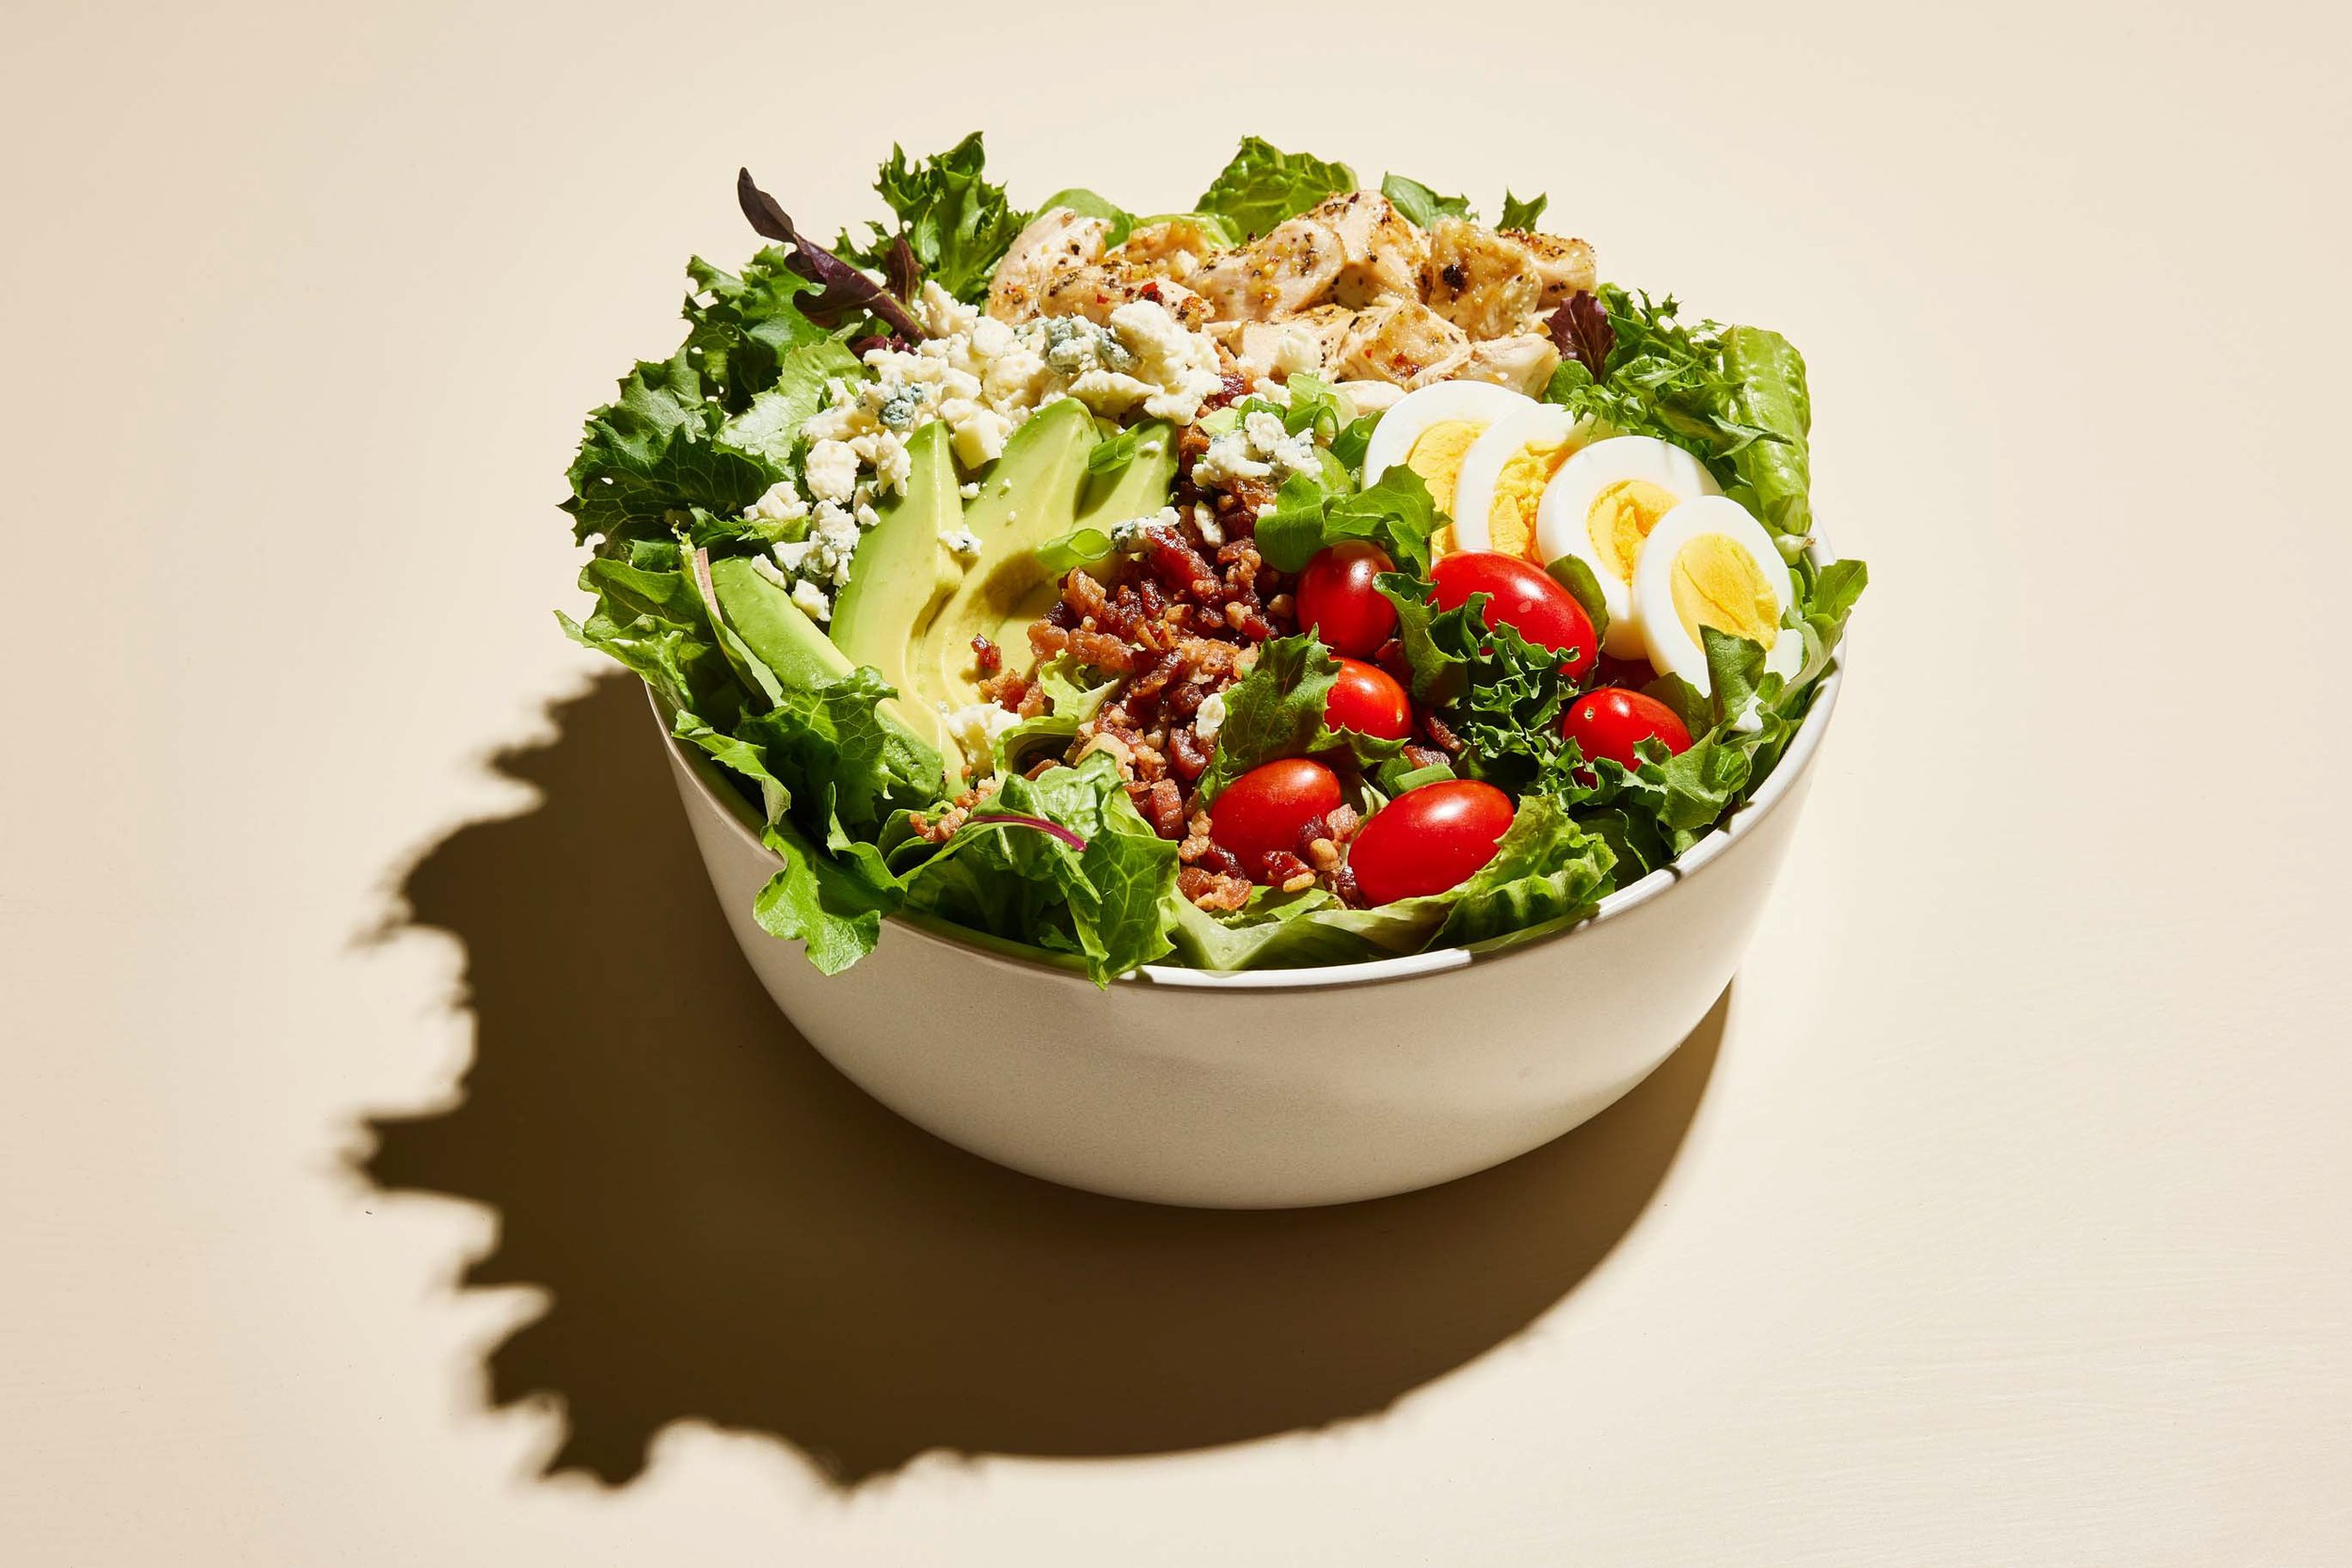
(1792,765)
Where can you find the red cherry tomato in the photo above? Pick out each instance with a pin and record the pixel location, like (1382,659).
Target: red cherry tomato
(1367,699)
(1263,810)
(1428,839)
(1338,602)
(1608,722)
(1519,596)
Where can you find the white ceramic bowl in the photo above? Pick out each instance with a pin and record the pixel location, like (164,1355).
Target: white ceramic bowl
(1279,1087)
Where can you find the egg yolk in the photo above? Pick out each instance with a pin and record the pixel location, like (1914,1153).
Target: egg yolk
(1621,518)
(1716,583)
(1519,492)
(1437,457)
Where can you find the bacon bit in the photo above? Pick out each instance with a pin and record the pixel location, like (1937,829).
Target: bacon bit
(986,655)
(1213,890)
(1286,871)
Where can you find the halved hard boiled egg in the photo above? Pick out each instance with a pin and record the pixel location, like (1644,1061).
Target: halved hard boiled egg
(1605,503)
(1432,429)
(1503,477)
(1709,563)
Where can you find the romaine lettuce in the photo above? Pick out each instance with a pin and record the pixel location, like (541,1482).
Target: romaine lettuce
(1264,185)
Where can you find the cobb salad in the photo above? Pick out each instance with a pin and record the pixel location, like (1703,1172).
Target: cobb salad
(1317,574)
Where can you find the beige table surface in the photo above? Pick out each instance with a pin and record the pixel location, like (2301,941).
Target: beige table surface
(2000,1217)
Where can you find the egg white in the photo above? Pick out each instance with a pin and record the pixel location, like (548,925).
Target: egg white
(1563,524)
(1539,424)
(1672,650)
(1477,403)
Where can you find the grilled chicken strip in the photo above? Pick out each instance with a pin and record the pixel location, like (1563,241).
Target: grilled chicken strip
(1396,341)
(1056,241)
(1263,349)
(1176,249)
(1095,292)
(1564,266)
(1279,274)
(1524,362)
(1381,252)
(1482,282)
(1372,397)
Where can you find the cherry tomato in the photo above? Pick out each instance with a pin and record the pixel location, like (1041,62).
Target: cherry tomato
(1263,810)
(1608,722)
(1520,596)
(1428,839)
(1367,699)
(1338,602)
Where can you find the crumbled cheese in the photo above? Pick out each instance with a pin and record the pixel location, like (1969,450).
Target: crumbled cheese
(1297,351)
(987,377)
(782,504)
(832,470)
(969,492)
(1128,535)
(1227,462)
(964,543)
(1259,448)
(1210,716)
(981,378)
(975,729)
(814,600)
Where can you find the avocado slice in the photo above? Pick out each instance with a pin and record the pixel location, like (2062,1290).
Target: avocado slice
(1139,488)
(902,572)
(777,632)
(791,649)
(1028,499)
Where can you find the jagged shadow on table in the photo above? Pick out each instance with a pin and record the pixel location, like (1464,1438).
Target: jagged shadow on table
(731,1232)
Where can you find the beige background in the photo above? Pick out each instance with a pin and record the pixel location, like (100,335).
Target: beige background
(2000,1216)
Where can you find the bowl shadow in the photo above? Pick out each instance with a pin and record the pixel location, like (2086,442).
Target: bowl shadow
(731,1232)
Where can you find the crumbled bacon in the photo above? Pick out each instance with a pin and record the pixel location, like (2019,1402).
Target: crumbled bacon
(1177,619)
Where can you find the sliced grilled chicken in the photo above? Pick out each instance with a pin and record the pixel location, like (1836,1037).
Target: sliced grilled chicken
(1175,248)
(1524,362)
(1095,292)
(1372,397)
(1279,274)
(1565,266)
(1482,281)
(1329,324)
(1396,341)
(1263,349)
(1056,241)
(1382,253)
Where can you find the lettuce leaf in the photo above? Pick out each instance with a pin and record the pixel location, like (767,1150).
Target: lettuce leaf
(833,907)
(1522,216)
(1663,379)
(1274,711)
(656,450)
(771,423)
(1421,204)
(1107,903)
(1397,513)
(1087,204)
(1264,185)
(739,328)
(956,225)
(1770,394)
(1549,870)
(843,297)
